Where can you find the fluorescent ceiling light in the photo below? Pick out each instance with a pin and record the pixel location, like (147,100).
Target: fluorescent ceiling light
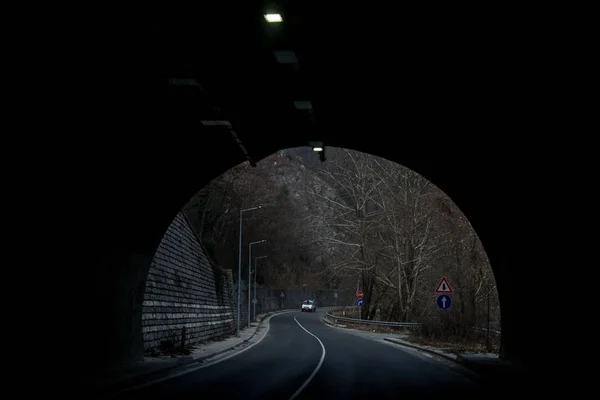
(273,17)
(217,123)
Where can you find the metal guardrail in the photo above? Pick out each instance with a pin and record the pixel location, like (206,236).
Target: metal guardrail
(336,319)
(485,330)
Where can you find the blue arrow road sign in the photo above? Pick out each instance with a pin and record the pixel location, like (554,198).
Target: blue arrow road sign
(444,301)
(359,302)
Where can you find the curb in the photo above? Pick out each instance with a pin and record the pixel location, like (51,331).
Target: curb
(333,325)
(466,370)
(265,316)
(133,381)
(395,341)
(433,352)
(496,376)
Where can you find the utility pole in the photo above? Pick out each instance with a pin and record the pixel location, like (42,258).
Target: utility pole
(249,272)
(255,273)
(239,296)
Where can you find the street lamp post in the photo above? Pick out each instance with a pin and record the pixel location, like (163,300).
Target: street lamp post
(239,297)
(255,273)
(249,272)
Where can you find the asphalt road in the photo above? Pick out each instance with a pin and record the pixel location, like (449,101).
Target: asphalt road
(332,364)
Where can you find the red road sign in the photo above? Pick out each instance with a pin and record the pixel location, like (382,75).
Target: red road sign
(443,286)
(359,294)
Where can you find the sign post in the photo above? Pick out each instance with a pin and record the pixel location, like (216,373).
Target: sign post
(444,301)
(359,302)
(443,287)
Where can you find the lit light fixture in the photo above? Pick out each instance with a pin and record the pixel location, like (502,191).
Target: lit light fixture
(317,146)
(273,18)
(226,124)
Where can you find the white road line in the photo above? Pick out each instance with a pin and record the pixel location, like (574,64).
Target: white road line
(195,368)
(301,388)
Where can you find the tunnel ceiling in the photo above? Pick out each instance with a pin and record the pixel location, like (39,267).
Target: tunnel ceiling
(218,84)
(368,75)
(189,94)
(446,93)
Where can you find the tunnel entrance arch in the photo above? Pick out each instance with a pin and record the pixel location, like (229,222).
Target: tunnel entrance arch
(446,208)
(125,254)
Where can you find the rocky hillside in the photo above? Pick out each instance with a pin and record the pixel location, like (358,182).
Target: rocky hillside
(279,183)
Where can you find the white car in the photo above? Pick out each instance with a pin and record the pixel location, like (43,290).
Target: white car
(309,306)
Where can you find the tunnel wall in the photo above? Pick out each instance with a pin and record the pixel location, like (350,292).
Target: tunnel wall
(183,289)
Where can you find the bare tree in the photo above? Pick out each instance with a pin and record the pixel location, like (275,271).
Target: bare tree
(389,228)
(354,222)
(356,218)
(413,242)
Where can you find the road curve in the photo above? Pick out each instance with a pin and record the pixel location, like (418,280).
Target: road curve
(301,358)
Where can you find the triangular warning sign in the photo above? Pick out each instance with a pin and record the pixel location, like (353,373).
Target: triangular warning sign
(443,287)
